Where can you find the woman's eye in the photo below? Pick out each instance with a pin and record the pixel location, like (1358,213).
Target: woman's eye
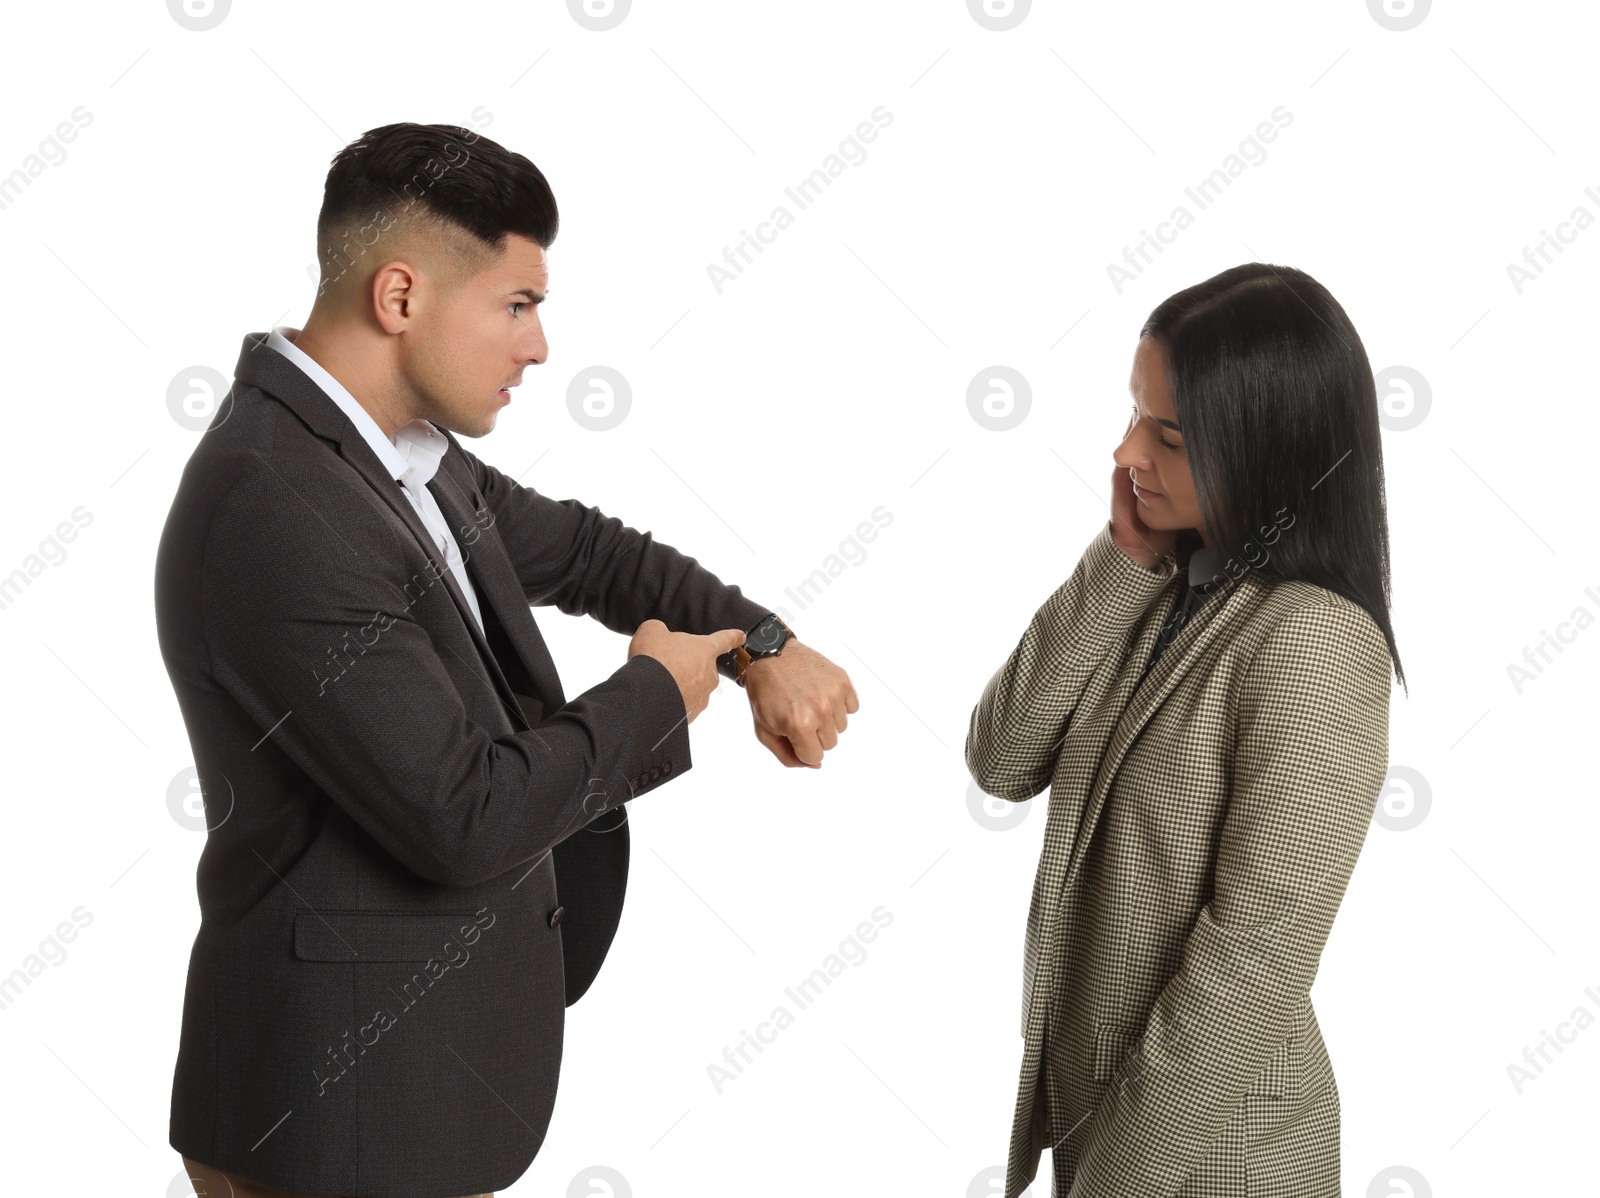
(1168,444)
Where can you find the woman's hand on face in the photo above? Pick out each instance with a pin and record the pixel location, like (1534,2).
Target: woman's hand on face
(1133,536)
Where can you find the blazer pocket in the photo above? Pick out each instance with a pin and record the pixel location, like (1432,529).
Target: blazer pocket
(1279,1075)
(1112,1042)
(1277,1079)
(357,936)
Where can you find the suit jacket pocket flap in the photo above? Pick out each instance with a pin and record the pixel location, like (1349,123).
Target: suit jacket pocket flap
(1112,1042)
(1276,1077)
(356,936)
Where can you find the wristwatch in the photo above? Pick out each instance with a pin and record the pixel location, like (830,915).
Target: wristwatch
(766,639)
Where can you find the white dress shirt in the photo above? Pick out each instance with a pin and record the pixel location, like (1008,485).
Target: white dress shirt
(411,456)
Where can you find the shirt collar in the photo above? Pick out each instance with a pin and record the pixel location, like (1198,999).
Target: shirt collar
(1205,565)
(423,445)
(411,455)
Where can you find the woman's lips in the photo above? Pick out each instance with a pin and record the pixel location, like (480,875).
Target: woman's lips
(1145,492)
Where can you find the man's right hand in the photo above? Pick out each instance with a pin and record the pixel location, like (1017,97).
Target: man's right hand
(692,659)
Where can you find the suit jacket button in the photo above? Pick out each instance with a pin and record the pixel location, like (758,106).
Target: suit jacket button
(654,774)
(666,767)
(555,916)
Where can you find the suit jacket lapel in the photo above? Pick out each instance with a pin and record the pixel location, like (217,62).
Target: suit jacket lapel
(365,461)
(1139,700)
(497,584)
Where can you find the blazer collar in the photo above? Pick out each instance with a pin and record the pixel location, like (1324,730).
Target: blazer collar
(261,366)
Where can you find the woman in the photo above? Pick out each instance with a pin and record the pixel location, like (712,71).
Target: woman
(1207,698)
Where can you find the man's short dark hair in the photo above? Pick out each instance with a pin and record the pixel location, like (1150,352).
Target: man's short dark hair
(443,181)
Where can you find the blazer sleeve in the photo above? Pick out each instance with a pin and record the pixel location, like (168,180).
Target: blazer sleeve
(1023,713)
(578,559)
(1309,758)
(308,627)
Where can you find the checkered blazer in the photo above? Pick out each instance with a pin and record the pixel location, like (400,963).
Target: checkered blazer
(1203,825)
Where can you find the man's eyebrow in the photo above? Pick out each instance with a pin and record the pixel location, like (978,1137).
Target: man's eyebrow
(534,297)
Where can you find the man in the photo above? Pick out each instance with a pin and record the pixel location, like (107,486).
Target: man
(417,844)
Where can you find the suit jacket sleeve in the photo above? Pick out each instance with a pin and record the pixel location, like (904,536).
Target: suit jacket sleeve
(295,567)
(1024,710)
(580,560)
(1310,754)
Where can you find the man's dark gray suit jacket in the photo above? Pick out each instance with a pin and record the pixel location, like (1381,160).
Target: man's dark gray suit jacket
(407,876)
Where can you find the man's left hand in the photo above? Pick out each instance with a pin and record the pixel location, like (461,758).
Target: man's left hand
(799,701)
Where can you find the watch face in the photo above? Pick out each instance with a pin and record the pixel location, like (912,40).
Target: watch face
(768,636)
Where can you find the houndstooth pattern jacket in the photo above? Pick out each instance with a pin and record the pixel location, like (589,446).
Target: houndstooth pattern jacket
(1203,825)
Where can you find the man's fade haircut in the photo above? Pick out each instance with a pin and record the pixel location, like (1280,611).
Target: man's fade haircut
(444,193)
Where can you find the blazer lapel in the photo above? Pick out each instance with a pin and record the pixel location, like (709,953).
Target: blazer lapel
(1139,700)
(365,461)
(497,584)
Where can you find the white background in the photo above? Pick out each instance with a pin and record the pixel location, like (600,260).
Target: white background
(977,231)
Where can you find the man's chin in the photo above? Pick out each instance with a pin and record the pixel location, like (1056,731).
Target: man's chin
(480,426)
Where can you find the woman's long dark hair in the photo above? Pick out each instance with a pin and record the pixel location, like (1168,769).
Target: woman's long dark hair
(1279,413)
